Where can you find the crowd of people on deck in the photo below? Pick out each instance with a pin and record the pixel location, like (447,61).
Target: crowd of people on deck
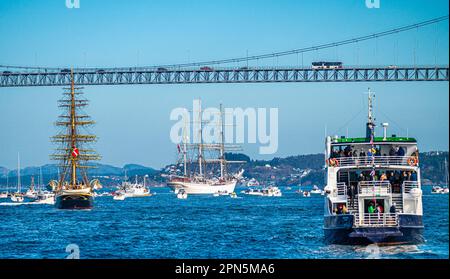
(351,151)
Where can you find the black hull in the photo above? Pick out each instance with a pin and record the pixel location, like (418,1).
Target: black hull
(339,230)
(74,202)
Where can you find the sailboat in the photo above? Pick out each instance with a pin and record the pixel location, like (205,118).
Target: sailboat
(42,196)
(73,189)
(31,192)
(444,189)
(199,175)
(4,195)
(17,196)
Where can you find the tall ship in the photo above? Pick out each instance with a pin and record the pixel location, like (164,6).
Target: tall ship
(73,190)
(373,191)
(205,168)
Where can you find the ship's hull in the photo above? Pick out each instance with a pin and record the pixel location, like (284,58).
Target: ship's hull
(202,188)
(74,201)
(338,229)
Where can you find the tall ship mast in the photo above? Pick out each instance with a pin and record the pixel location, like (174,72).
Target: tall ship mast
(205,168)
(373,191)
(73,189)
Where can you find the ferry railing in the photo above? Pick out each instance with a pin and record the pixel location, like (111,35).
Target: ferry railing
(407,186)
(377,160)
(376,220)
(341,189)
(374,187)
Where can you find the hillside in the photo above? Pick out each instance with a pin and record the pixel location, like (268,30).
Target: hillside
(292,170)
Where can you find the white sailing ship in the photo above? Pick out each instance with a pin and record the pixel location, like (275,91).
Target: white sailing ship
(200,172)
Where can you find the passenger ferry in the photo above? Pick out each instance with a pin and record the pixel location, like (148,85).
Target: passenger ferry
(373,192)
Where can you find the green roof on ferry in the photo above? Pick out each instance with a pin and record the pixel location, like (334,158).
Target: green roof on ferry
(376,139)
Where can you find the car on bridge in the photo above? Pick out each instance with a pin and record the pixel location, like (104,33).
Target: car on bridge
(7,72)
(161,69)
(100,71)
(65,71)
(206,68)
(327,65)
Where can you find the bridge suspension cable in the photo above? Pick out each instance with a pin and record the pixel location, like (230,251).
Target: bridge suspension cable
(264,56)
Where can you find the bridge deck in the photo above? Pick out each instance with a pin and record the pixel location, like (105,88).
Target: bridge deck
(242,75)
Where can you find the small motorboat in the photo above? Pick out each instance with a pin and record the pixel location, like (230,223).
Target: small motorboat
(233,195)
(439,190)
(316,190)
(271,191)
(16,197)
(182,195)
(306,194)
(119,197)
(45,197)
(4,195)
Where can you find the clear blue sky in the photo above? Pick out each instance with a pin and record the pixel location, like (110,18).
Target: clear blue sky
(133,121)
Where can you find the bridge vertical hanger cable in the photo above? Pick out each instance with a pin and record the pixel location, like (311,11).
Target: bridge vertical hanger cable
(436,35)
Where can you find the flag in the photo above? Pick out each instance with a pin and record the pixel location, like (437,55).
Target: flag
(179,149)
(372,173)
(75,152)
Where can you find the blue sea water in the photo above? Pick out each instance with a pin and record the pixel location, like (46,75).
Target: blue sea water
(163,226)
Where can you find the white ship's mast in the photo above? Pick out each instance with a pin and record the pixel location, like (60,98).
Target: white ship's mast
(446,172)
(222,147)
(18,173)
(200,146)
(185,148)
(40,179)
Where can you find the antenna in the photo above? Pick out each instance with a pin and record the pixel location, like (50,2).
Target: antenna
(370,119)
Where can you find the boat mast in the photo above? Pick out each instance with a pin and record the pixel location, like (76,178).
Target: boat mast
(222,146)
(370,119)
(73,130)
(18,173)
(40,178)
(200,146)
(184,148)
(446,172)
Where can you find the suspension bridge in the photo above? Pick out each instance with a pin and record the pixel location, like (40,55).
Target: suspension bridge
(214,71)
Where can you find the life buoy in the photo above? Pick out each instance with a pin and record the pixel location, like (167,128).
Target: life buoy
(412,161)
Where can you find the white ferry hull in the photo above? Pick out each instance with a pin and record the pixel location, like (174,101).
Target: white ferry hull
(202,188)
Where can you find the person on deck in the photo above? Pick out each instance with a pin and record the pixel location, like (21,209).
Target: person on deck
(401,152)
(379,208)
(392,151)
(344,209)
(371,208)
(393,209)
